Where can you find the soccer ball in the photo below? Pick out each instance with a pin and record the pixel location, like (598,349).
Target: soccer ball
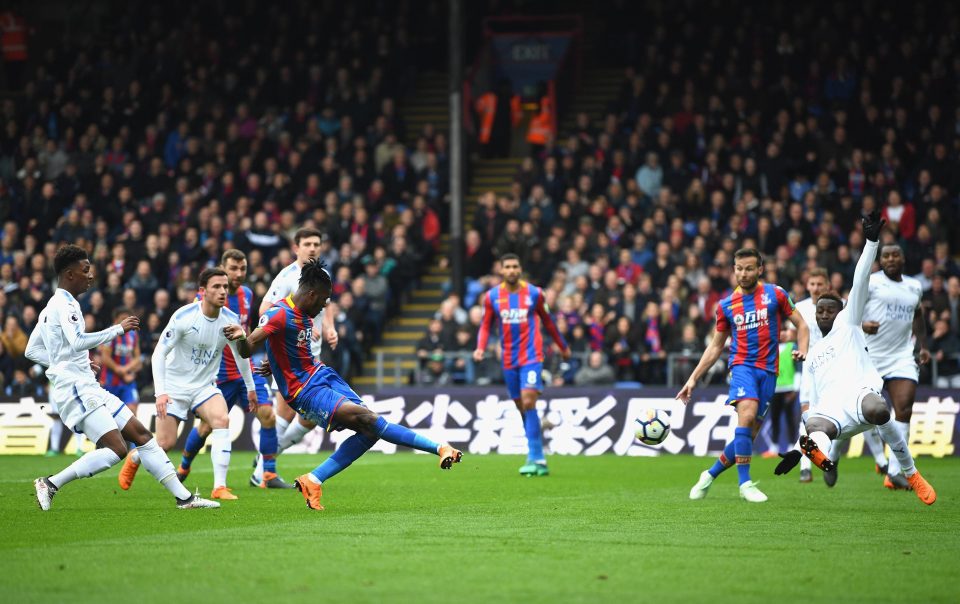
(652,426)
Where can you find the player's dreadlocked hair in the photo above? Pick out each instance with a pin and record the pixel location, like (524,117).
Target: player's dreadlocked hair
(315,275)
(66,256)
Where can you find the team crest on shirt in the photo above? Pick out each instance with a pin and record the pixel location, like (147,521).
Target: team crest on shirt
(765,299)
(528,301)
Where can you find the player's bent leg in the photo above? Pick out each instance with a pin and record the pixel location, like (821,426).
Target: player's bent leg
(347,453)
(874,410)
(820,431)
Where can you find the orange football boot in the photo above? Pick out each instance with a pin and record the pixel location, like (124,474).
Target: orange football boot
(223,492)
(922,488)
(311,492)
(818,457)
(448,456)
(127,473)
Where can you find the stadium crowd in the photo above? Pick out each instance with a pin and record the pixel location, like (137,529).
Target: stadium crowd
(191,129)
(772,129)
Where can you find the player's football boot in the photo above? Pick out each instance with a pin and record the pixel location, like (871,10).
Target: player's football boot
(311,492)
(45,492)
(542,469)
(51,453)
(182,473)
(699,490)
(896,482)
(830,476)
(196,502)
(223,492)
(880,469)
(127,473)
(529,469)
(922,488)
(448,456)
(818,457)
(750,492)
(272,481)
(806,476)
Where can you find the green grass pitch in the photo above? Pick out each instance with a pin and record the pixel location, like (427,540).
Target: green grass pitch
(397,529)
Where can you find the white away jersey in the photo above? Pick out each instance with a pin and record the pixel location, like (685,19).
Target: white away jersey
(188,354)
(284,284)
(59,342)
(839,365)
(892,304)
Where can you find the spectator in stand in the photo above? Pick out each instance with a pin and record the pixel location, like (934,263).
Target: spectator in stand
(597,372)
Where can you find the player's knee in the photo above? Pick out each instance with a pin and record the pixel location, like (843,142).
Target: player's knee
(367,419)
(904,415)
(875,409)
(219,422)
(204,429)
(816,424)
(166,441)
(266,416)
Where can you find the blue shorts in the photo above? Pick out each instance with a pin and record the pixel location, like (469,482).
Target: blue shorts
(527,377)
(323,394)
(127,393)
(752,383)
(235,392)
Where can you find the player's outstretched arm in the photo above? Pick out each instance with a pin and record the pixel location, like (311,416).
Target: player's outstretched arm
(861,276)
(244,368)
(244,344)
(484,333)
(710,356)
(920,335)
(803,336)
(552,327)
(72,327)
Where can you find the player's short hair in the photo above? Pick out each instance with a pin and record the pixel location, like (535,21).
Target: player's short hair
(748,252)
(306,232)
(314,274)
(209,273)
(66,256)
(121,311)
(509,256)
(232,254)
(818,271)
(831,295)
(893,245)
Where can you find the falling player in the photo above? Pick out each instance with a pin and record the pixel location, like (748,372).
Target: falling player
(306,246)
(519,306)
(185,364)
(234,390)
(896,335)
(844,384)
(754,312)
(120,361)
(315,390)
(59,343)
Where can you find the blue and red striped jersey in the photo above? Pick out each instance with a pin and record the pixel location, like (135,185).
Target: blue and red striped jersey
(288,332)
(754,321)
(239,303)
(520,314)
(122,349)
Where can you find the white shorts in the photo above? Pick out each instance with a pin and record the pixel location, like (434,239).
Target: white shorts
(845,412)
(899,367)
(187,401)
(86,408)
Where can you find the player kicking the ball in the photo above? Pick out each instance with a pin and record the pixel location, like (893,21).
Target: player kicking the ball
(59,343)
(844,385)
(754,312)
(519,308)
(316,391)
(185,364)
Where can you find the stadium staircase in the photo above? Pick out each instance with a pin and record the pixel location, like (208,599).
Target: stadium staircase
(597,95)
(428,105)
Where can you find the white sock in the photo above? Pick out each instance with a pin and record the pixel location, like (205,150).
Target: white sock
(220,445)
(258,471)
(56,435)
(822,440)
(834,453)
(892,435)
(92,462)
(156,462)
(805,463)
(135,454)
(283,424)
(871,438)
(292,435)
(903,428)
(80,439)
